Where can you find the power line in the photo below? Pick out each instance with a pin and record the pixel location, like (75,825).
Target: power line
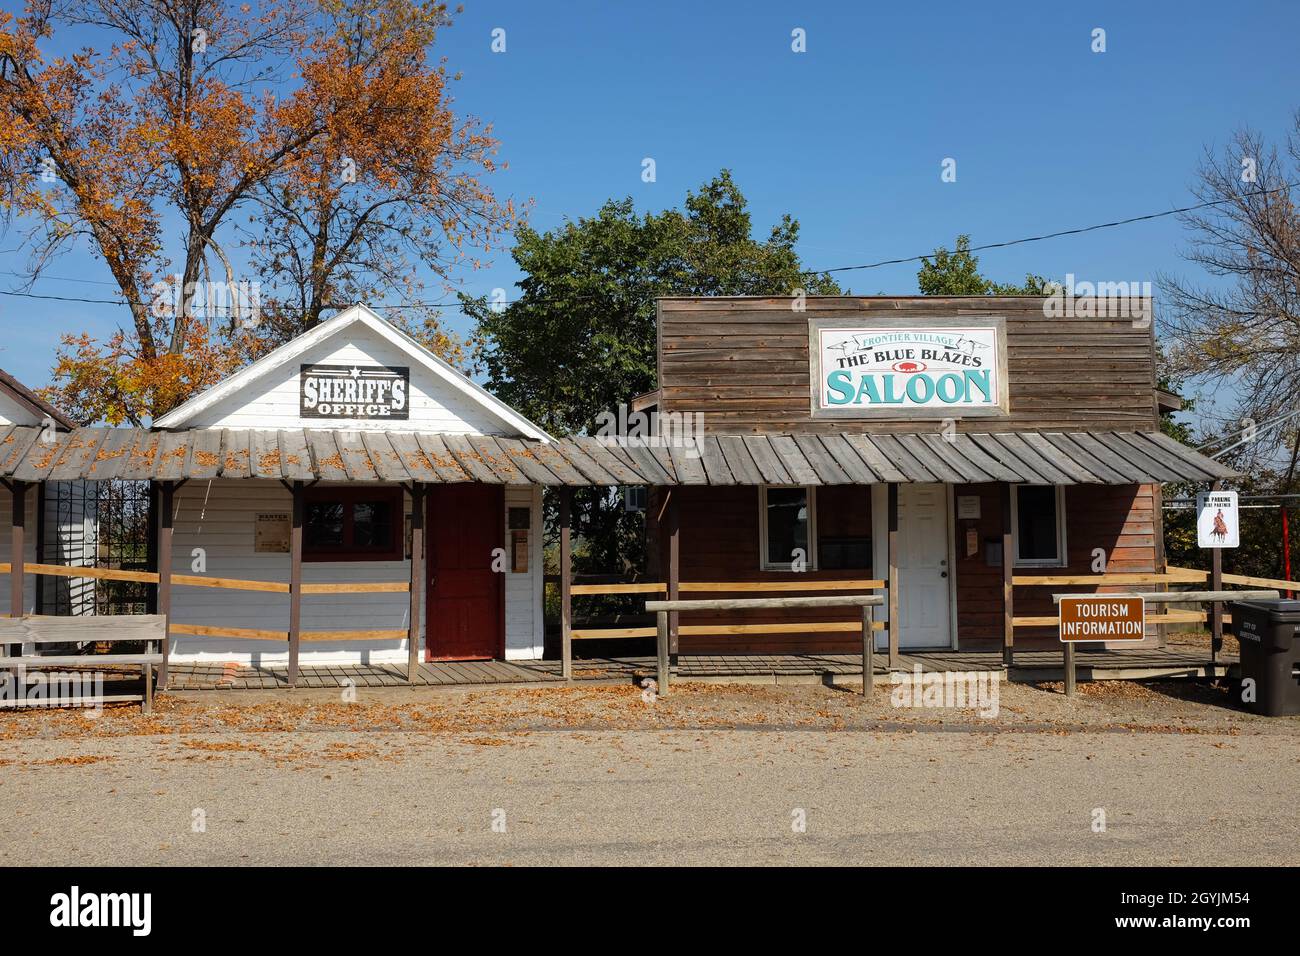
(870,265)
(24,275)
(1252,432)
(1251,427)
(65,298)
(1055,235)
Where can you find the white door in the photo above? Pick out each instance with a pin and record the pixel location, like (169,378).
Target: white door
(923,586)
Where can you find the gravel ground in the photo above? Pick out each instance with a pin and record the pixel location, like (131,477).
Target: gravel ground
(713,774)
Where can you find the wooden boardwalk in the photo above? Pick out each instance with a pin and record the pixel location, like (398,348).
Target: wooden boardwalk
(1127,664)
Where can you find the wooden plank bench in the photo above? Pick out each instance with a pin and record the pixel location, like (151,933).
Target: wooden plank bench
(40,629)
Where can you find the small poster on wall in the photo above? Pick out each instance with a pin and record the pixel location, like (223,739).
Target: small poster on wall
(1217,520)
(271,534)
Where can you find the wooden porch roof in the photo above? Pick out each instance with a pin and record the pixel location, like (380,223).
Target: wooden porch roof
(1102,457)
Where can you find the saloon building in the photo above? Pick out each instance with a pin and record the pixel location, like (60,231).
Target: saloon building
(964,454)
(350,498)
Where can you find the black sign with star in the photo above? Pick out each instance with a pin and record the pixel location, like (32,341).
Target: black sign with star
(357,392)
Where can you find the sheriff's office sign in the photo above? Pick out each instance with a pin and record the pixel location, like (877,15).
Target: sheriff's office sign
(1102,617)
(937,370)
(1217,520)
(355,392)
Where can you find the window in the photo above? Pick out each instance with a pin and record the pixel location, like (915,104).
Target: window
(353,524)
(844,528)
(787,524)
(634,498)
(1038,525)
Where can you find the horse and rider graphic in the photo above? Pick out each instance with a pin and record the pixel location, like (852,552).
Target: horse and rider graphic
(1220,530)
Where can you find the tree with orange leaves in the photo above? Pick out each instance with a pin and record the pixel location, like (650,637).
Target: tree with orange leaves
(325,117)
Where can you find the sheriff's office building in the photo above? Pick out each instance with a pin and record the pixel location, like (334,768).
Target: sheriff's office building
(351,498)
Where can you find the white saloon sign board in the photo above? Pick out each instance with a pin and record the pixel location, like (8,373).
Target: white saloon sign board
(1217,520)
(935,369)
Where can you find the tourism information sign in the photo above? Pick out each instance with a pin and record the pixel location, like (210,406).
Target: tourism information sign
(1102,617)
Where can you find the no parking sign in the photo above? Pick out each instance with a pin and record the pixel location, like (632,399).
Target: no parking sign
(1217,520)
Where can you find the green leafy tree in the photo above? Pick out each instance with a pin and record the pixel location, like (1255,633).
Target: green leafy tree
(580,339)
(957,273)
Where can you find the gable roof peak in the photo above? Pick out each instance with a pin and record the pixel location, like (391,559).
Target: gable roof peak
(359,314)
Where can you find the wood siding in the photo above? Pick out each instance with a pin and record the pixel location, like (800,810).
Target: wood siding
(720,542)
(273,401)
(1119,519)
(219,517)
(744,363)
(13,413)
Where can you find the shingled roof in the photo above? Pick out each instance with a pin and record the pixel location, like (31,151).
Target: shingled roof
(1062,458)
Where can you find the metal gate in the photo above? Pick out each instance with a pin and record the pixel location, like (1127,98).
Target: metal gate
(98,524)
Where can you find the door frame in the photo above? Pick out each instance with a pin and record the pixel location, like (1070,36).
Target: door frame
(499,649)
(880,552)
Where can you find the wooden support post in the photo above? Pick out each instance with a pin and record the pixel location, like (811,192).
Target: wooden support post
(1162,560)
(17,570)
(1069,669)
(566,584)
(166,514)
(295,581)
(38,604)
(662,641)
(1216,607)
(674,569)
(868,654)
(894,622)
(417,581)
(1008,569)
(147,706)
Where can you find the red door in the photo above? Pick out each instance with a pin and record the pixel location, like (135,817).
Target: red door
(464,617)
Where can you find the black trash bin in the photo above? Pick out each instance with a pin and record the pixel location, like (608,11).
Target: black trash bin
(1270,653)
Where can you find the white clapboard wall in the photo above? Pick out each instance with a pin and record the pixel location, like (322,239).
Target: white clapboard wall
(273,400)
(13,413)
(219,517)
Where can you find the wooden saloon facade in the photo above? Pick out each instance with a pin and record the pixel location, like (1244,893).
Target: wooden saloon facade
(966,456)
(352,499)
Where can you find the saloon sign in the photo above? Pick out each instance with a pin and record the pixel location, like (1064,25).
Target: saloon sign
(354,392)
(930,371)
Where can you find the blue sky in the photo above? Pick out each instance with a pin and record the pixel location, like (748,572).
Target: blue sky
(849,136)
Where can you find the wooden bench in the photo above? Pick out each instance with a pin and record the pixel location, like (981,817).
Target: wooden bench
(39,629)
